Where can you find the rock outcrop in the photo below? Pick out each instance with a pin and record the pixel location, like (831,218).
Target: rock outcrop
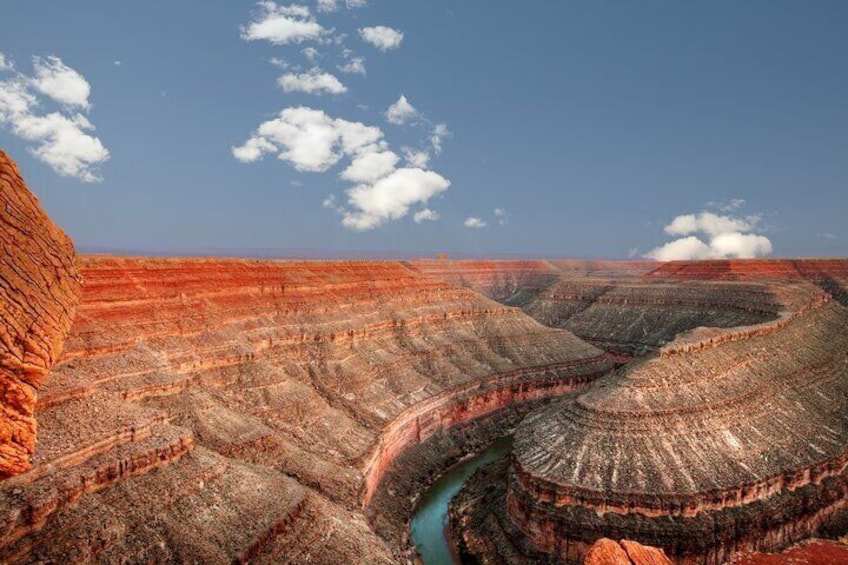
(608,552)
(728,440)
(39,292)
(190,389)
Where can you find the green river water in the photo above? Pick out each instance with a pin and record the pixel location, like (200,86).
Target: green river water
(430,519)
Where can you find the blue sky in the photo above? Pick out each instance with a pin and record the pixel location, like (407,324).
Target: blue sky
(596,129)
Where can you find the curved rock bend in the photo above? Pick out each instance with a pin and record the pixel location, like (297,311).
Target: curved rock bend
(728,440)
(197,397)
(39,292)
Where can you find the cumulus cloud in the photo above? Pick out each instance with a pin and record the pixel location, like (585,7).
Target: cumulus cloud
(354,64)
(311,140)
(59,138)
(472,222)
(415,158)
(371,165)
(401,111)
(327,5)
(390,197)
(314,81)
(4,64)
(311,53)
(282,24)
(60,82)
(709,223)
(425,215)
(307,138)
(382,37)
(726,236)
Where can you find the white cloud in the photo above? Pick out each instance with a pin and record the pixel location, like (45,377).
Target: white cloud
(382,37)
(472,222)
(727,206)
(311,54)
(390,197)
(314,81)
(727,236)
(308,139)
(425,215)
(415,158)
(333,5)
(4,64)
(253,149)
(311,140)
(371,165)
(353,65)
(740,245)
(117,63)
(690,248)
(439,133)
(402,112)
(829,236)
(709,223)
(502,216)
(282,24)
(59,138)
(60,82)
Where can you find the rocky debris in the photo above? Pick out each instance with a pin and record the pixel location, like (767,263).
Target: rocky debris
(39,292)
(608,552)
(810,552)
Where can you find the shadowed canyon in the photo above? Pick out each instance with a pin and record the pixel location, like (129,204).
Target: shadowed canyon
(229,410)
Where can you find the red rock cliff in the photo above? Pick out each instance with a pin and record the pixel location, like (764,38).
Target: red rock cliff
(39,291)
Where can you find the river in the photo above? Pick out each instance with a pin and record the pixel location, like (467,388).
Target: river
(430,519)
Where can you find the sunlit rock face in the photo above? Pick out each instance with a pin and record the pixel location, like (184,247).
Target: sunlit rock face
(220,410)
(726,440)
(39,292)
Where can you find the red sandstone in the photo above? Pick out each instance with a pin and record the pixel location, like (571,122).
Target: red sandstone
(39,291)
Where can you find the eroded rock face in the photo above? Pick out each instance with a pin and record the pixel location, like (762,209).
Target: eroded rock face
(727,440)
(224,410)
(608,552)
(39,292)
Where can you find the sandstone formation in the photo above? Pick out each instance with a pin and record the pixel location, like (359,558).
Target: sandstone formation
(292,411)
(191,389)
(608,552)
(635,317)
(727,440)
(39,291)
(505,281)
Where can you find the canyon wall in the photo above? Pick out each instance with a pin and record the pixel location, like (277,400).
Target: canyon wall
(195,396)
(728,440)
(39,292)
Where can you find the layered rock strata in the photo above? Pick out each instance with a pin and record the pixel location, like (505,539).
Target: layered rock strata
(630,318)
(39,292)
(197,395)
(728,440)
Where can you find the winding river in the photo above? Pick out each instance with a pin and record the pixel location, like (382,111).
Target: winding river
(429,522)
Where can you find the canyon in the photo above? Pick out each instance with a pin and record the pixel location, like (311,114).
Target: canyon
(232,410)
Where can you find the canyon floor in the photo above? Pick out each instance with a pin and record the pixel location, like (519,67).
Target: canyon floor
(229,410)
